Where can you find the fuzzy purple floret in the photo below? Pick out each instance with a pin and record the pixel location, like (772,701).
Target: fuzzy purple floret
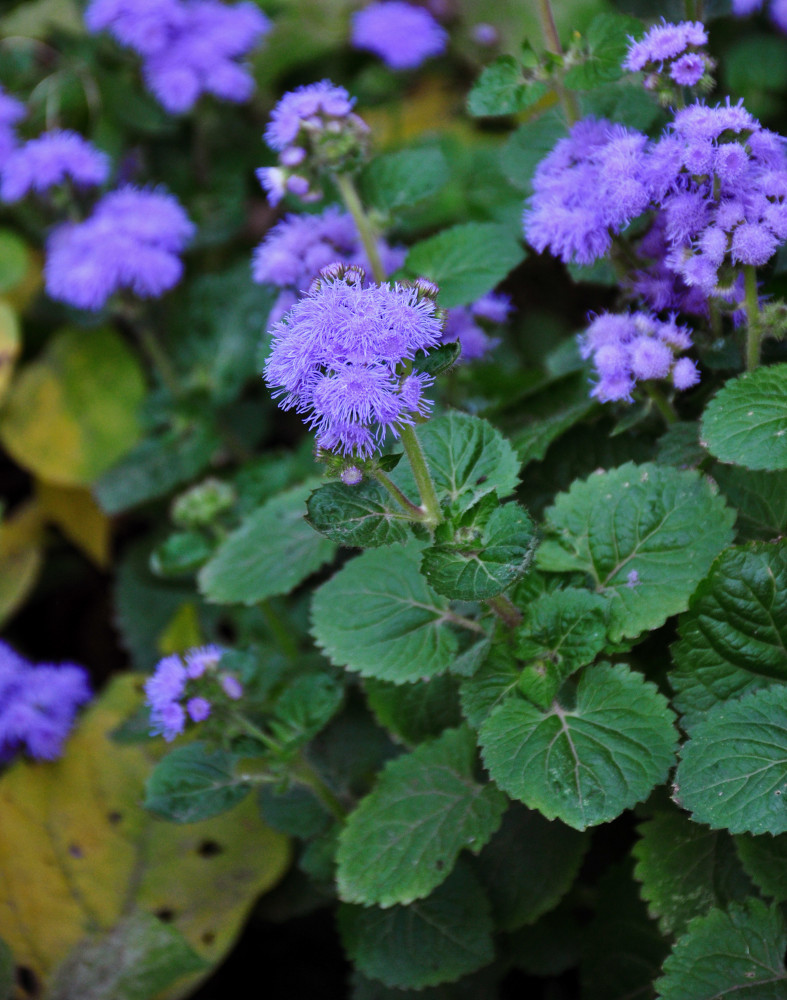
(402,36)
(50,160)
(310,106)
(38,705)
(664,42)
(131,241)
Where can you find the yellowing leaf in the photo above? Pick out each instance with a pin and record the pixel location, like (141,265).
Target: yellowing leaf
(10,344)
(20,296)
(432,107)
(78,516)
(21,555)
(183,631)
(73,412)
(78,853)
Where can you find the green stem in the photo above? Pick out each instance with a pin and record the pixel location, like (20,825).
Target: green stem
(257,733)
(423,478)
(661,402)
(364,226)
(305,774)
(552,41)
(754,333)
(279,630)
(158,358)
(413,511)
(505,609)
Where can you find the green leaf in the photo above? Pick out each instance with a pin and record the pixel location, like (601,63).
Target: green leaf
(415,712)
(403,840)
(71,413)
(7,972)
(765,861)
(156,466)
(272,551)
(586,764)
(402,179)
(623,101)
(528,866)
(181,554)
(496,679)
(737,953)
(466,261)
(435,940)
(562,632)
(746,421)
(14,260)
(685,869)
(304,708)
(733,638)
(362,515)
(439,359)
(295,811)
(760,498)
(528,145)
(645,534)
(136,960)
(679,445)
(468,459)
(503,89)
(193,783)
(550,413)
(603,48)
(733,772)
(378,617)
(483,560)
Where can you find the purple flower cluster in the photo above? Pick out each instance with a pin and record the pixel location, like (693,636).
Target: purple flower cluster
(11,113)
(632,347)
(338,357)
(462,324)
(50,160)
(590,186)
(38,705)
(402,35)
(178,691)
(188,47)
(131,241)
(671,49)
(311,128)
(777,10)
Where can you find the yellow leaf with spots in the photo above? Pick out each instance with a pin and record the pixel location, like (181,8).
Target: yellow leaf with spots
(79,854)
(72,413)
(74,511)
(21,556)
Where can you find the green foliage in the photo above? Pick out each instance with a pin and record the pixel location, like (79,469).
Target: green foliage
(194,782)
(272,551)
(377,616)
(746,421)
(764,859)
(737,952)
(445,936)
(364,515)
(602,50)
(405,178)
(490,684)
(587,762)
(528,145)
(732,638)
(503,89)
(647,550)
(466,261)
(733,772)
(415,712)
(403,840)
(760,498)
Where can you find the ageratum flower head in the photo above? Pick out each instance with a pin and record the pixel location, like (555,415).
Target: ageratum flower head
(627,348)
(599,157)
(312,128)
(131,241)
(38,705)
(402,35)
(339,358)
(52,159)
(670,55)
(188,47)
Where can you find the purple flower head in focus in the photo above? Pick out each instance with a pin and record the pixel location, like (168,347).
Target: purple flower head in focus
(38,705)
(337,358)
(402,35)
(627,348)
(188,47)
(50,160)
(188,688)
(663,43)
(131,241)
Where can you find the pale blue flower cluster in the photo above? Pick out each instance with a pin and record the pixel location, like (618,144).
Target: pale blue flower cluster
(339,358)
(671,49)
(50,160)
(38,705)
(131,241)
(635,347)
(402,35)
(183,689)
(188,47)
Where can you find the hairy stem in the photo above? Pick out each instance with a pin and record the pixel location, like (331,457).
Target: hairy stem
(754,332)
(552,42)
(505,609)
(660,401)
(423,478)
(413,511)
(364,226)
